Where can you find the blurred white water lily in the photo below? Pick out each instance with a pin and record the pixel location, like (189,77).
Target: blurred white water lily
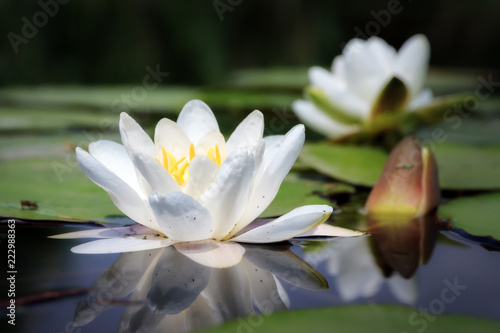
(369,81)
(190,184)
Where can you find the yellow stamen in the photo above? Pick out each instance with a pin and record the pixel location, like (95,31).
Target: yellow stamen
(217,156)
(191,151)
(165,158)
(214,154)
(179,169)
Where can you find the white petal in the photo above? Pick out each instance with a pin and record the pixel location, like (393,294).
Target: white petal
(333,231)
(123,196)
(368,67)
(154,173)
(202,173)
(413,61)
(212,254)
(296,222)
(210,140)
(114,156)
(170,136)
(134,137)
(96,233)
(228,197)
(181,217)
(196,119)
(423,98)
(248,133)
(275,165)
(320,77)
(318,120)
(117,245)
(272,141)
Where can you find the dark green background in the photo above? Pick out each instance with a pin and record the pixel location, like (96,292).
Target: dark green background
(110,41)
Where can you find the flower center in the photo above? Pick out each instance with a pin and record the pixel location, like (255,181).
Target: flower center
(179,168)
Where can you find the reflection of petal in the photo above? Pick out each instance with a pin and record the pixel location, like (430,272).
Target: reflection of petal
(405,290)
(228,293)
(212,254)
(176,283)
(356,273)
(266,290)
(139,319)
(116,282)
(285,265)
(117,245)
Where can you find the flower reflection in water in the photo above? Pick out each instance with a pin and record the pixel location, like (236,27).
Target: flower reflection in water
(391,255)
(195,285)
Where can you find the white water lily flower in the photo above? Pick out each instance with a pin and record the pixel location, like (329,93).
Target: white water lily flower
(369,79)
(190,184)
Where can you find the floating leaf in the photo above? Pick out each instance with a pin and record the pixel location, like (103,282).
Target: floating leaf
(477,215)
(297,190)
(161,100)
(60,189)
(360,165)
(468,167)
(358,318)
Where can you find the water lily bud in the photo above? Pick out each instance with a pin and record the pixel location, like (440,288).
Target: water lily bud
(403,245)
(408,185)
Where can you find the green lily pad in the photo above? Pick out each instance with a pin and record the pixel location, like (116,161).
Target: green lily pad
(161,100)
(358,318)
(280,78)
(477,215)
(23,119)
(360,165)
(57,186)
(297,190)
(461,166)
(468,167)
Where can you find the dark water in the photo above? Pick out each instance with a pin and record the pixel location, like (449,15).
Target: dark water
(459,277)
